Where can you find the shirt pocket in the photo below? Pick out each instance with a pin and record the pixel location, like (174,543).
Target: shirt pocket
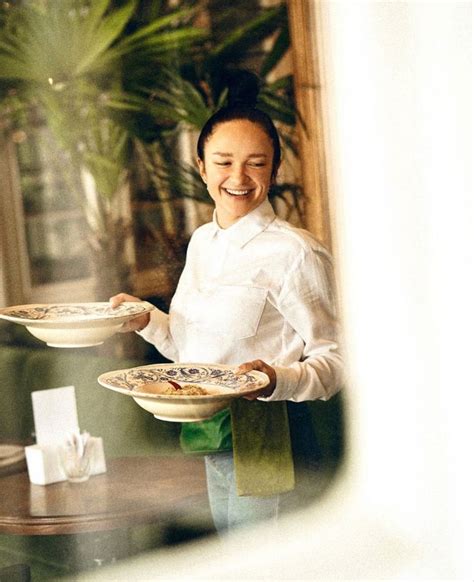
(230,310)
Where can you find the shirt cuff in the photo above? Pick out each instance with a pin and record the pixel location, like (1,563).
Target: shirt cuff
(157,328)
(286,382)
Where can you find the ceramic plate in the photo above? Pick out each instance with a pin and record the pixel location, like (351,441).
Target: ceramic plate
(221,382)
(72,313)
(74,325)
(129,381)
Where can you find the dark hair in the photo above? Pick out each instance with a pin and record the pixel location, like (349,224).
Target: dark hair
(243,90)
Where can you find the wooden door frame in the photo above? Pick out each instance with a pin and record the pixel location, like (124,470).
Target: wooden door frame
(303,25)
(15,281)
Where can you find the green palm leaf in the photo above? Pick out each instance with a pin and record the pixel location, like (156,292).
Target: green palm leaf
(250,34)
(165,21)
(179,100)
(100,35)
(279,49)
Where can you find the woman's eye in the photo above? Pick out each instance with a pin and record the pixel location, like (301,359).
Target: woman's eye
(222,164)
(257,165)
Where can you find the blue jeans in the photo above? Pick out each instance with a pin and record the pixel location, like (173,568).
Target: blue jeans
(228,509)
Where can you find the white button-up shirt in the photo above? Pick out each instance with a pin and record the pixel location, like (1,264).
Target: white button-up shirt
(260,289)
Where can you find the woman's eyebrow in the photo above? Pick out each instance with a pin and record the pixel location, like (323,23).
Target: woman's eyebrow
(229,155)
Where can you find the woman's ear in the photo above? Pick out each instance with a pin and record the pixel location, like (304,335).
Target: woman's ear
(202,170)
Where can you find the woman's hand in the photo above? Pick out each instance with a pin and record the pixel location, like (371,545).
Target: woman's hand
(137,323)
(261,366)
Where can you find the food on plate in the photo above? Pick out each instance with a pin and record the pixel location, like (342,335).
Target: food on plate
(170,388)
(186,389)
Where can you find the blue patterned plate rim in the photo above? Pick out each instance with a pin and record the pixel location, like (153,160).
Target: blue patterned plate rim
(129,380)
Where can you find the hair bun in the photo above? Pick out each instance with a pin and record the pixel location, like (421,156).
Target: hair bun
(243,87)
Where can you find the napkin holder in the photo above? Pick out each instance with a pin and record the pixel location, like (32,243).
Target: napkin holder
(44,466)
(55,416)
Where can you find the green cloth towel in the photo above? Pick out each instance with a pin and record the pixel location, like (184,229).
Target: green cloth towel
(263,460)
(207,436)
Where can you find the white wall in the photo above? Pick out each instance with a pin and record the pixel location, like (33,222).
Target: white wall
(398,97)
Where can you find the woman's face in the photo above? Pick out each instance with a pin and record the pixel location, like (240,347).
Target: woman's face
(237,168)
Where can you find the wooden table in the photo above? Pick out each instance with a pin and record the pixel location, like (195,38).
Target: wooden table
(98,514)
(134,490)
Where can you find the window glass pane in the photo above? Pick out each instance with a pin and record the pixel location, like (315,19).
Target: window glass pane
(55,226)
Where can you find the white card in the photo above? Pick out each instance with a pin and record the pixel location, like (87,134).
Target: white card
(55,414)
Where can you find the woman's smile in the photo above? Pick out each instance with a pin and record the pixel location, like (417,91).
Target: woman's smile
(235,192)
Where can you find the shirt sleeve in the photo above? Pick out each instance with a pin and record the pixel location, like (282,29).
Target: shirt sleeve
(307,303)
(157,332)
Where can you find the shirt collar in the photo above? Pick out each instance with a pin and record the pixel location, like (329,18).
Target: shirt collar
(247,227)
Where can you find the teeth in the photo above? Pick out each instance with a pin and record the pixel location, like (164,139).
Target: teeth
(237,192)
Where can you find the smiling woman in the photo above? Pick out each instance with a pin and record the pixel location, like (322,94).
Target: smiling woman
(256,293)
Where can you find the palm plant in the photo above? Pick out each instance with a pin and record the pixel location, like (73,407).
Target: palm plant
(67,60)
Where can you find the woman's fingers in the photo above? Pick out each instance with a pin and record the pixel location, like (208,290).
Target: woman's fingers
(260,366)
(120,298)
(135,324)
